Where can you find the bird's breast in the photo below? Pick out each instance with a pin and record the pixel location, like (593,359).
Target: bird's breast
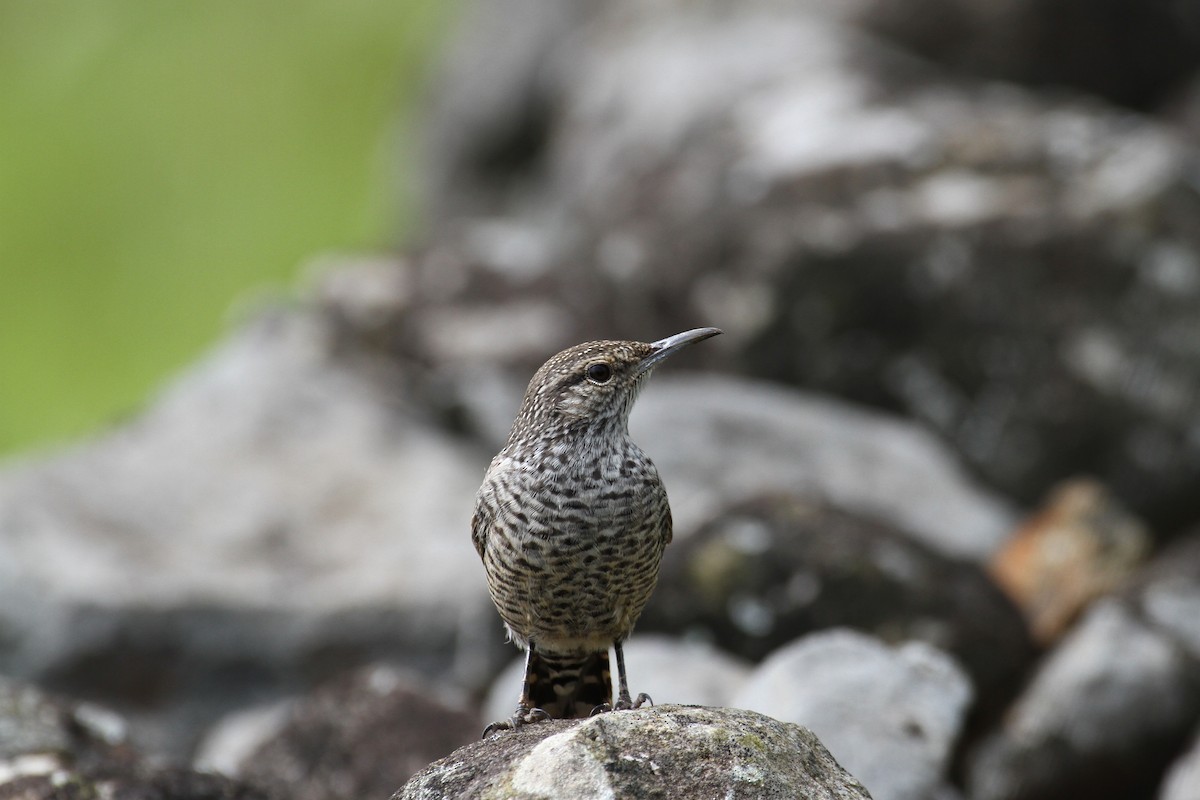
(574,492)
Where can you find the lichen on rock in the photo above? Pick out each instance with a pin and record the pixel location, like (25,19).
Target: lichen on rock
(665,751)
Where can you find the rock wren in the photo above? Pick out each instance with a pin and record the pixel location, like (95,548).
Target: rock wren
(571,522)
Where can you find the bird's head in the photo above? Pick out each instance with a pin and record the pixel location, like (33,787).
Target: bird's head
(593,384)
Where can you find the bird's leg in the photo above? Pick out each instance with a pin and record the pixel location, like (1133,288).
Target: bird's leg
(525,713)
(624,701)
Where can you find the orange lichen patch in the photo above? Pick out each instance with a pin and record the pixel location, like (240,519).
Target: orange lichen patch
(1080,545)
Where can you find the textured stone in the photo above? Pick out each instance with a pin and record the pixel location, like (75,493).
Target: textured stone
(1017,270)
(1079,546)
(769,438)
(55,749)
(35,724)
(1182,781)
(892,716)
(1132,52)
(276,514)
(1167,591)
(666,751)
(1101,718)
(358,736)
(764,572)
(147,784)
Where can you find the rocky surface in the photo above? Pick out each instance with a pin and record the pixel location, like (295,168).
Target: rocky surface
(1015,269)
(361,735)
(943,295)
(143,784)
(54,749)
(675,751)
(891,716)
(1167,592)
(1079,546)
(718,441)
(213,548)
(34,724)
(287,510)
(764,572)
(1135,53)
(1183,778)
(139,784)
(1102,717)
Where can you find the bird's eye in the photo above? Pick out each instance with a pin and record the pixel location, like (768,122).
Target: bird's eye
(599,372)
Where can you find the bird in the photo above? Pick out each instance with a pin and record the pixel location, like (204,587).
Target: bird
(571,521)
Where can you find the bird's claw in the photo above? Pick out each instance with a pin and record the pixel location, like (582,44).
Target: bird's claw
(625,703)
(522,716)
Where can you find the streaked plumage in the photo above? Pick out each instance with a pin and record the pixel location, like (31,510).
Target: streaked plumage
(571,522)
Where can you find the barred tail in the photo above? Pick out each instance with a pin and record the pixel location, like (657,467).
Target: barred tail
(569,686)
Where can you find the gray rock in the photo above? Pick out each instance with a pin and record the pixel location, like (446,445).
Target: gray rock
(718,440)
(766,571)
(490,105)
(276,514)
(360,735)
(670,670)
(1101,718)
(891,715)
(1167,592)
(675,751)
(1081,544)
(232,740)
(1183,778)
(976,255)
(166,783)
(1135,53)
(36,724)
(56,749)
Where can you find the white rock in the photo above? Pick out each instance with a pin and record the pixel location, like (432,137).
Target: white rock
(718,440)
(891,716)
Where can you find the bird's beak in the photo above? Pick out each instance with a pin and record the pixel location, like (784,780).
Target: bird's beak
(665,347)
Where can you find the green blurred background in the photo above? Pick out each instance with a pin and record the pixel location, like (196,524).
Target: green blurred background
(157,159)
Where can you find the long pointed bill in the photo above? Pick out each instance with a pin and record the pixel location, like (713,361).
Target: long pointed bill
(672,344)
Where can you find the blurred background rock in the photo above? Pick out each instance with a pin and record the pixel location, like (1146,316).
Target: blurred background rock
(944,465)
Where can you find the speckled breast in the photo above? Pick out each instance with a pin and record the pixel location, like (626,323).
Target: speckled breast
(574,544)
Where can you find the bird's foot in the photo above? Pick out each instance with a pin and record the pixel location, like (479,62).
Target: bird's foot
(523,716)
(625,703)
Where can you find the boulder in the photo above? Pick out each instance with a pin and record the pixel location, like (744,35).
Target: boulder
(1080,545)
(55,749)
(676,751)
(1102,718)
(1133,53)
(719,440)
(764,572)
(358,735)
(892,716)
(278,513)
(1017,270)
(1183,778)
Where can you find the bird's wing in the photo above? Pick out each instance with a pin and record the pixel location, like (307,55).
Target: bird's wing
(667,527)
(481,523)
